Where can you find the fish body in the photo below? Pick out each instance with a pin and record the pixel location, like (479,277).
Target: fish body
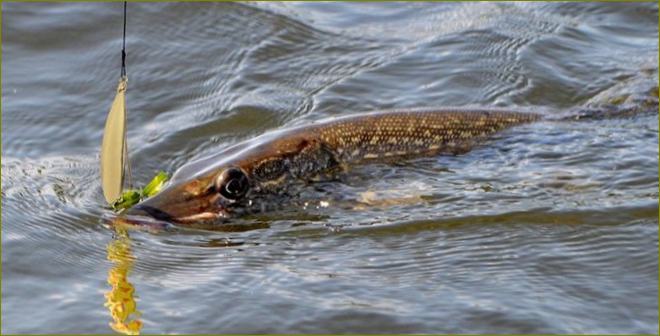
(218,187)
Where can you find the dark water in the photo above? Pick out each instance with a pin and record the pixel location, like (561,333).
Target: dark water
(550,228)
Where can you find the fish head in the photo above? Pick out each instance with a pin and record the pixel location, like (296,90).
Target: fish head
(210,198)
(249,177)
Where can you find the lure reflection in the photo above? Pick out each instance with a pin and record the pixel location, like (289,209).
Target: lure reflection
(120,299)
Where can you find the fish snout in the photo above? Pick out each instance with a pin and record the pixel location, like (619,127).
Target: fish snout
(177,210)
(145,216)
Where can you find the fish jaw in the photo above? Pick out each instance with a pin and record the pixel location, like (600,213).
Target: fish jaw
(182,205)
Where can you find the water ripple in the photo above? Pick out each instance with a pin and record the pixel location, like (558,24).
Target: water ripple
(547,228)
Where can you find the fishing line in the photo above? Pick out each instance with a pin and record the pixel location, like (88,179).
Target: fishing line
(123,46)
(123,75)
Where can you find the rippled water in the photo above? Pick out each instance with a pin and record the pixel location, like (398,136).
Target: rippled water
(549,228)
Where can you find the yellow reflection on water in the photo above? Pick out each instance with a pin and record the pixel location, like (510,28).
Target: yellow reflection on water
(120,299)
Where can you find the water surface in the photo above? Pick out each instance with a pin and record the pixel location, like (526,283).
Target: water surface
(549,228)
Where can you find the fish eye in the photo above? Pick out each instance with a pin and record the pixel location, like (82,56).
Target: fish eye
(232,184)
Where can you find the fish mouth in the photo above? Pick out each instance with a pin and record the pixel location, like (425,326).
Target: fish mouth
(146,215)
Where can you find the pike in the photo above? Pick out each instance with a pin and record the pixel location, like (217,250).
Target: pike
(242,178)
(234,181)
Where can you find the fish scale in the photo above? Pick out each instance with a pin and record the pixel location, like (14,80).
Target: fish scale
(414,132)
